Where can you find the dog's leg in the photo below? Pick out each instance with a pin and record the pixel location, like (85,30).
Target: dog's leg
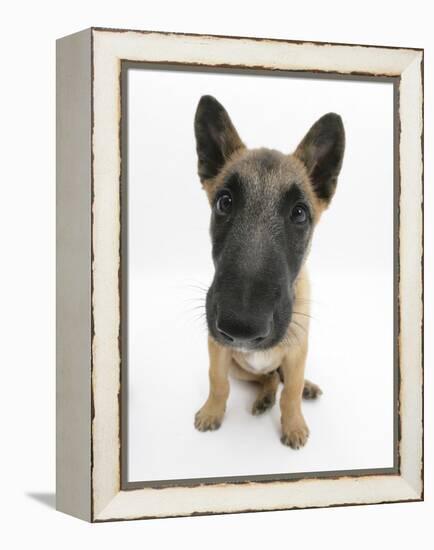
(310,390)
(294,428)
(210,416)
(268,384)
(267,393)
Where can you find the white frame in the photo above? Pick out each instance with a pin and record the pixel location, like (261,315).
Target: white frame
(88,260)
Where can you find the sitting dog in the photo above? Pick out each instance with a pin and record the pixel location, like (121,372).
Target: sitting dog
(265,205)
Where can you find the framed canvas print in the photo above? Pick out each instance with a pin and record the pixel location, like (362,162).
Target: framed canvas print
(239,274)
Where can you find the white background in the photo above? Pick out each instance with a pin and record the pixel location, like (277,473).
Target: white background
(169,266)
(27,229)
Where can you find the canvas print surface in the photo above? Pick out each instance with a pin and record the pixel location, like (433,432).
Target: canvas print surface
(185,236)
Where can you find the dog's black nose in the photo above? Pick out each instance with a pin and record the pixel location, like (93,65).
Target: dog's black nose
(242,333)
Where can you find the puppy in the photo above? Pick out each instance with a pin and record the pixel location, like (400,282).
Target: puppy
(265,205)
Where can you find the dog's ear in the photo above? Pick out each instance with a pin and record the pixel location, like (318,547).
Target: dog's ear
(216,137)
(322,152)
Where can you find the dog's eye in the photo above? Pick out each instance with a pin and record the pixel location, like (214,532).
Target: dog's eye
(224,203)
(299,213)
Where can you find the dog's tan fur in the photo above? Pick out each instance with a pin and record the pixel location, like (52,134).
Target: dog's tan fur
(289,355)
(273,172)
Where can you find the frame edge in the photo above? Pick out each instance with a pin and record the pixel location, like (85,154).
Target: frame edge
(111,512)
(73,275)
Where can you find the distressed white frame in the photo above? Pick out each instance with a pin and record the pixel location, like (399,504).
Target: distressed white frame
(89,166)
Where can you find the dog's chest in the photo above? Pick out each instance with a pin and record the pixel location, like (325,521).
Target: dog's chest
(259,362)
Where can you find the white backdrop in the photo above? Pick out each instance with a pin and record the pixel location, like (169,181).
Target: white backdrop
(27,278)
(169,255)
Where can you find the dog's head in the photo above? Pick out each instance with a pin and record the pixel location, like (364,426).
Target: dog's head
(265,205)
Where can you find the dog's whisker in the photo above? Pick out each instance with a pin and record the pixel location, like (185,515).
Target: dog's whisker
(204,290)
(199,317)
(196,315)
(201,287)
(296,337)
(303,314)
(195,311)
(306,301)
(299,325)
(290,338)
(197,299)
(195,308)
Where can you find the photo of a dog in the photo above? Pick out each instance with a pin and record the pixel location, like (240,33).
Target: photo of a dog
(264,207)
(259,274)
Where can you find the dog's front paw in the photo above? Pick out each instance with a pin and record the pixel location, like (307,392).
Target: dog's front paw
(263,403)
(205,420)
(295,434)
